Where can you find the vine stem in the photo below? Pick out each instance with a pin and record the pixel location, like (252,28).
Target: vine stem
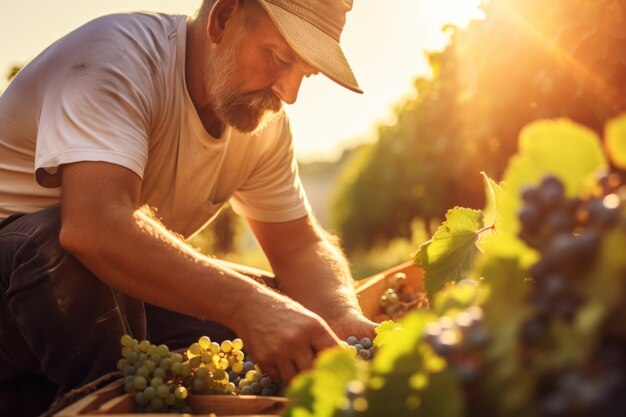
(486,228)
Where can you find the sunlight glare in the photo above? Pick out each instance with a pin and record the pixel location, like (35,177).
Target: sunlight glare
(460,12)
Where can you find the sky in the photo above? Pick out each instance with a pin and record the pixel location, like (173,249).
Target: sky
(385,42)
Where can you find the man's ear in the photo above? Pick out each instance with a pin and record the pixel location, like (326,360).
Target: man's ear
(221,13)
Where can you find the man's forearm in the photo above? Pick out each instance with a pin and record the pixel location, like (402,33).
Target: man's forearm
(319,278)
(143,259)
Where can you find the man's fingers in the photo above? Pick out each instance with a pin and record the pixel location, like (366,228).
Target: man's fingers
(287,370)
(271,371)
(304,360)
(324,341)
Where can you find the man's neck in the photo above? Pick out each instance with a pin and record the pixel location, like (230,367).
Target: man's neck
(195,79)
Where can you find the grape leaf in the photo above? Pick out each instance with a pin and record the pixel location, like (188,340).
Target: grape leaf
(616,141)
(450,254)
(383,331)
(321,391)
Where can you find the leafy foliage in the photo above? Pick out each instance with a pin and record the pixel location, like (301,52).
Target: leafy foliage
(417,372)
(321,392)
(527,60)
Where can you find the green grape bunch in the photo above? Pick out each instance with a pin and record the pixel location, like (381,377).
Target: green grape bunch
(160,380)
(149,377)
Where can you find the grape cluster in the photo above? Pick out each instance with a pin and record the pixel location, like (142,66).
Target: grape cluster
(148,376)
(460,340)
(597,388)
(363,348)
(252,381)
(567,233)
(399,297)
(222,369)
(161,380)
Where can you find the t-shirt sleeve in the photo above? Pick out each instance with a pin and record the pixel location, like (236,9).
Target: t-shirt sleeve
(97,107)
(273,192)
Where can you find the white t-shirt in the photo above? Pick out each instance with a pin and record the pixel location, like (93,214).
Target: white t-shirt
(114,90)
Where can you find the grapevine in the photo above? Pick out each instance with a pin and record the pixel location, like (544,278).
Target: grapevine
(525,316)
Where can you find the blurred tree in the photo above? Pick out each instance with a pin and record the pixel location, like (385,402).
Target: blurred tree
(527,60)
(11,74)
(13,71)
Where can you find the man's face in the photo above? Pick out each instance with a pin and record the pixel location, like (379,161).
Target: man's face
(252,73)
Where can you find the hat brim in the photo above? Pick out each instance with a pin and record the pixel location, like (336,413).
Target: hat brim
(315,47)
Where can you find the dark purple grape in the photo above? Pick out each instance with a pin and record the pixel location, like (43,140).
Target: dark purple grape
(556,405)
(529,195)
(530,217)
(543,305)
(555,285)
(550,182)
(477,338)
(443,349)
(586,248)
(567,307)
(467,373)
(561,250)
(559,222)
(532,331)
(531,238)
(551,193)
(539,270)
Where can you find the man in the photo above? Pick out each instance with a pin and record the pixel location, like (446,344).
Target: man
(177,114)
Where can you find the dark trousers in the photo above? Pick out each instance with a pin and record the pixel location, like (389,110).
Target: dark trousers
(59,320)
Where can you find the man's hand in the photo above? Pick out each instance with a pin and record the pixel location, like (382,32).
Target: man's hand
(353,323)
(282,336)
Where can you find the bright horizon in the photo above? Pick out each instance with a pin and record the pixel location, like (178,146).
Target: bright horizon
(385,47)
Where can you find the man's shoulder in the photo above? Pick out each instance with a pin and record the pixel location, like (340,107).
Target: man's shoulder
(137,26)
(129,45)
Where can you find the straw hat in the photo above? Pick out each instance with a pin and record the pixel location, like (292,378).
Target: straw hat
(312,28)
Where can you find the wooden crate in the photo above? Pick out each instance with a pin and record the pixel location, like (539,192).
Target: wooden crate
(369,290)
(112,401)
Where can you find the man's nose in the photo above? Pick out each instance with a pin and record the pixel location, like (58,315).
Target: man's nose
(287,84)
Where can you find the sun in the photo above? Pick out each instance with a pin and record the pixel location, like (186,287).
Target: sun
(460,12)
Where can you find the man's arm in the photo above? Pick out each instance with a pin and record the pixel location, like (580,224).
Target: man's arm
(103,227)
(312,271)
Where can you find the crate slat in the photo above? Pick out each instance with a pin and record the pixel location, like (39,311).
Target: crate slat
(224,405)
